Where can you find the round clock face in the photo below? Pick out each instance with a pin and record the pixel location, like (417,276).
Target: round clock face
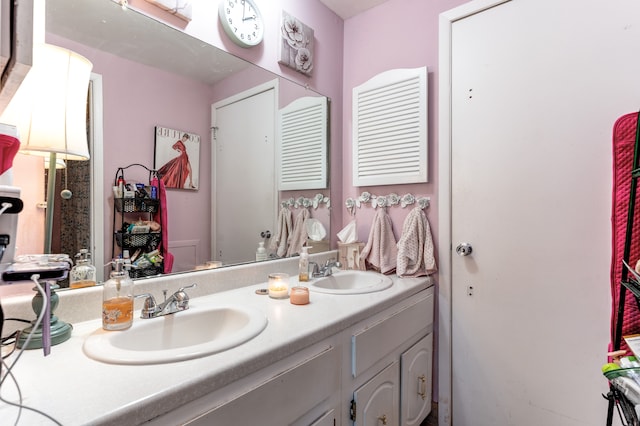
(242,21)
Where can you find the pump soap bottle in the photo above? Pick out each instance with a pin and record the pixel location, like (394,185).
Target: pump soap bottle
(261,252)
(117,299)
(83,274)
(303,265)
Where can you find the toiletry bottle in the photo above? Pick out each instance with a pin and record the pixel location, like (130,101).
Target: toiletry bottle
(303,265)
(261,253)
(83,274)
(117,299)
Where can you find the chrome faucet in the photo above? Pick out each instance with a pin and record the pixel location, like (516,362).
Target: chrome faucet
(324,271)
(178,301)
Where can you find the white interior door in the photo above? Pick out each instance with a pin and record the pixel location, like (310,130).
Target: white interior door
(536,86)
(244,200)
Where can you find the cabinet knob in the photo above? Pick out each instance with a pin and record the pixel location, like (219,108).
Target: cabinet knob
(383,419)
(422,387)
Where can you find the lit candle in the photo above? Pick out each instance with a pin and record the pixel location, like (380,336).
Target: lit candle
(279,285)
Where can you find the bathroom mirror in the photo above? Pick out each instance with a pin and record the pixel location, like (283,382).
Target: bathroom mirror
(129,49)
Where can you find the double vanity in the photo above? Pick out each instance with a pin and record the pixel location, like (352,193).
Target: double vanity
(359,353)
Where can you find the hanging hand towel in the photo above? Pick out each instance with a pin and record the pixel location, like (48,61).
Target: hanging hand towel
(380,253)
(280,241)
(415,248)
(161,216)
(298,236)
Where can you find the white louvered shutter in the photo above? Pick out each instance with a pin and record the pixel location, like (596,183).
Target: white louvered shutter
(303,144)
(390,128)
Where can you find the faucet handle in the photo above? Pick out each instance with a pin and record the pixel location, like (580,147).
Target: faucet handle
(182,298)
(150,307)
(182,289)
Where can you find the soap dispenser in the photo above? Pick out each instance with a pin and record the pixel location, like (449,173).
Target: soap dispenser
(83,274)
(303,265)
(117,298)
(261,252)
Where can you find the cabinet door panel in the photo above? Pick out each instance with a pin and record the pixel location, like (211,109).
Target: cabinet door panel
(416,382)
(377,400)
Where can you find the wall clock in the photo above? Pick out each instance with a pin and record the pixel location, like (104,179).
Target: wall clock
(242,21)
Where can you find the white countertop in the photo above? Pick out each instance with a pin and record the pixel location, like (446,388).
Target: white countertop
(76,390)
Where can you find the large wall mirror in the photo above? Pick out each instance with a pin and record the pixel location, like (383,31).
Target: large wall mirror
(155,75)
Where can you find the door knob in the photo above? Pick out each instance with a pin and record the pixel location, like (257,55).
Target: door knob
(464,249)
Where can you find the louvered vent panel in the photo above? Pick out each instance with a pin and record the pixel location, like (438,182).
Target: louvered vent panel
(303,144)
(390,129)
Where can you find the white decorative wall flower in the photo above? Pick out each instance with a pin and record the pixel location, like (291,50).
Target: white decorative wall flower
(293,32)
(393,199)
(407,199)
(304,62)
(380,201)
(423,202)
(350,203)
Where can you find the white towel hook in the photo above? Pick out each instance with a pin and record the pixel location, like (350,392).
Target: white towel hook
(385,201)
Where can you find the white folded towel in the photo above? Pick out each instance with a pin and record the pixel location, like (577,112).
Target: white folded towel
(299,234)
(280,241)
(380,252)
(415,248)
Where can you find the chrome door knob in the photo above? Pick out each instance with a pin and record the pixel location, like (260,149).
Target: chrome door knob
(464,249)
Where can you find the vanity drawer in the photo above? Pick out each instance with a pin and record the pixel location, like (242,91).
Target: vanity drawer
(380,338)
(285,397)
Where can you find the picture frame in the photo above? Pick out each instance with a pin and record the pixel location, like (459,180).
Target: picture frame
(296,44)
(177,158)
(180,8)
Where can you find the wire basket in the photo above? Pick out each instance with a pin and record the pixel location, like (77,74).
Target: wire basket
(129,205)
(145,272)
(149,240)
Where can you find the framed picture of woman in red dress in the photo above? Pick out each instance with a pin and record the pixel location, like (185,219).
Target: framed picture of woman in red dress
(177,158)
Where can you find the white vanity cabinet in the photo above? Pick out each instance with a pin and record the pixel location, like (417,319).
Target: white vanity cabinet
(416,378)
(375,372)
(299,395)
(376,402)
(391,365)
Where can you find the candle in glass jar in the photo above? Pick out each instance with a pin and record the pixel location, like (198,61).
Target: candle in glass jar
(299,295)
(279,285)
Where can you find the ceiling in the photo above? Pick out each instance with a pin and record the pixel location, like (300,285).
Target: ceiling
(348,8)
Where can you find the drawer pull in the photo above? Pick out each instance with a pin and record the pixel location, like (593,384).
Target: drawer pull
(422,387)
(383,419)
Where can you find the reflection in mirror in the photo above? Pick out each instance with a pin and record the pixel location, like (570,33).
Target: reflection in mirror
(153,75)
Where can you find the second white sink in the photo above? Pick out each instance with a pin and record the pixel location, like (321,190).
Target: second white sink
(194,333)
(351,282)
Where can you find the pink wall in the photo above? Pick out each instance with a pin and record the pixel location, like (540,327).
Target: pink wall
(396,34)
(384,38)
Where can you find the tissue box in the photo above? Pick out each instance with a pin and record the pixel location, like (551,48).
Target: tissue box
(317,246)
(349,256)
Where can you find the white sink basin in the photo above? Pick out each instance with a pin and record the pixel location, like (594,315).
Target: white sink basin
(194,333)
(351,282)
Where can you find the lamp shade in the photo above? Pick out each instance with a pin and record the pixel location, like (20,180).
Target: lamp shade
(49,108)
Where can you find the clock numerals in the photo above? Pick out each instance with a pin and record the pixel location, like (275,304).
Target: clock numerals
(242,21)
